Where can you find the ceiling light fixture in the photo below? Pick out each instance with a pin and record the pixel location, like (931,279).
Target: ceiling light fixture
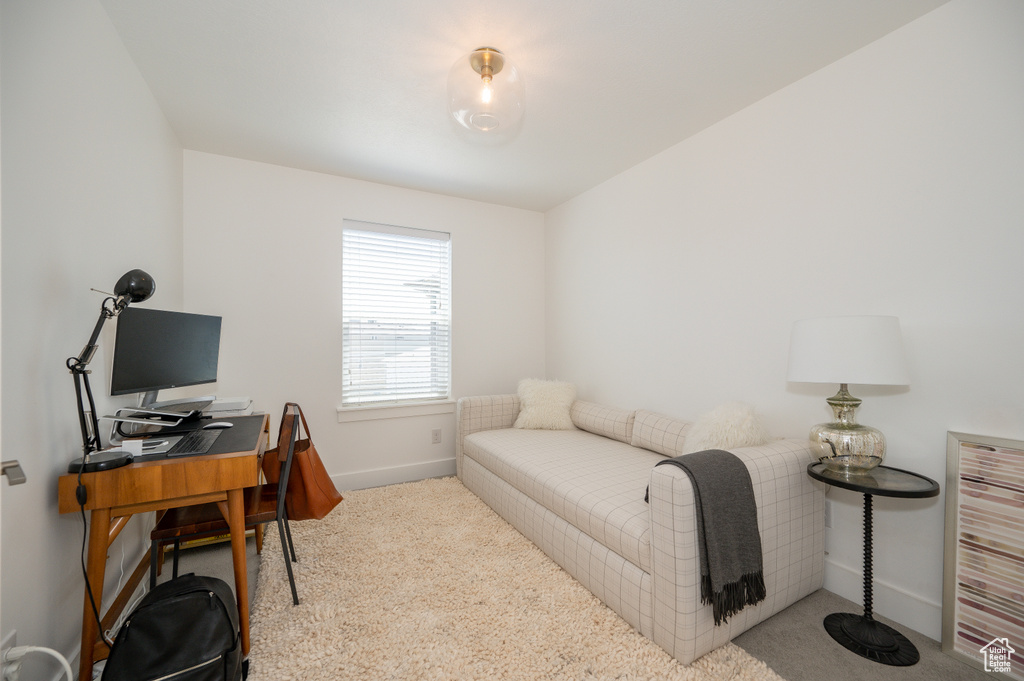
(486,92)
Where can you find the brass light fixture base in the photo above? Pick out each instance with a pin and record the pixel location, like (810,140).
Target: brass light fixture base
(487,61)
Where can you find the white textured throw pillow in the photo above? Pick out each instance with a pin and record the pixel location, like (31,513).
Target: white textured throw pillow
(732,424)
(545,404)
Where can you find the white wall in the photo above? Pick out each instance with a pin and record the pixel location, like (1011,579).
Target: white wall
(91,189)
(263,249)
(672,286)
(887,183)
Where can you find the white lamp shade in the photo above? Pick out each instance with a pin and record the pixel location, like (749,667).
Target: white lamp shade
(866,350)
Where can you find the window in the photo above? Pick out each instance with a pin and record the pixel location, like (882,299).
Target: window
(396,315)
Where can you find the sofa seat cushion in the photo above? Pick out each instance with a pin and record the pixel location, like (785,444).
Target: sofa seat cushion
(594,483)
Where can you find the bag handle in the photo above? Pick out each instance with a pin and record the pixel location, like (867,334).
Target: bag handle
(301,416)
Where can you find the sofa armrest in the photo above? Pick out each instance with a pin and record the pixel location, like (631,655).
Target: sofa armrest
(489,412)
(790,518)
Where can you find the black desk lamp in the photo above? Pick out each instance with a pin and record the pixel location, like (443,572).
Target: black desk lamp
(133,287)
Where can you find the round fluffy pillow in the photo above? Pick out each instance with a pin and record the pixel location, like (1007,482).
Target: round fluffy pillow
(733,424)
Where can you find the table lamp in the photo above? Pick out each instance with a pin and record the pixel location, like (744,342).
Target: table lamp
(134,286)
(866,350)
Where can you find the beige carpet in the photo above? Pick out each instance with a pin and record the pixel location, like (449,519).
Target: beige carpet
(424,581)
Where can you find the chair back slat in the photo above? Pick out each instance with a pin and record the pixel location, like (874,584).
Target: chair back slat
(284,432)
(289,430)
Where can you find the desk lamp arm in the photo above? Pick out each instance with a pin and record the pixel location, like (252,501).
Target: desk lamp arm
(134,286)
(77,366)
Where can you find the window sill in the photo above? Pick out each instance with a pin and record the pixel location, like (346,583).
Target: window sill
(394,411)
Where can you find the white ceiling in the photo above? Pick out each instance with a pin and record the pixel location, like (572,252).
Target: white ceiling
(357,88)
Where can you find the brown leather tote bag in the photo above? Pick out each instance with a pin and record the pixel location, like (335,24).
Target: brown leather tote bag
(311,492)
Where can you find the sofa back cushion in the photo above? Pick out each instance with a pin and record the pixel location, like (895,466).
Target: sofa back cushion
(659,433)
(609,422)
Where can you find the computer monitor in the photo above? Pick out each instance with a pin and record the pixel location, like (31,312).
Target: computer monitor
(158,349)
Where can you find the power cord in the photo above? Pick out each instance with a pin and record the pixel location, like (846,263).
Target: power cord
(80,494)
(13,656)
(112,632)
(120,577)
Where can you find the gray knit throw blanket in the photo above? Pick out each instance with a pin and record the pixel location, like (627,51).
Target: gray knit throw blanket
(730,546)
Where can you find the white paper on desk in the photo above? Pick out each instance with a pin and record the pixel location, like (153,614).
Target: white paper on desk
(133,447)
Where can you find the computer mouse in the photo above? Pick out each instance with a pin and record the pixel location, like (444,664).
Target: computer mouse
(217,424)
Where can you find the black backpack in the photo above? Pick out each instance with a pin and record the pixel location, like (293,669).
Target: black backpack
(185,629)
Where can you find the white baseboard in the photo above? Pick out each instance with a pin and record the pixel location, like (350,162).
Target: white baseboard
(911,610)
(393,475)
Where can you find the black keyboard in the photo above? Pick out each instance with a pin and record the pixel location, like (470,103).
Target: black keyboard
(195,442)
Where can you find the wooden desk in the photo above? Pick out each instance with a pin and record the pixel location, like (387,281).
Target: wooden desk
(115,495)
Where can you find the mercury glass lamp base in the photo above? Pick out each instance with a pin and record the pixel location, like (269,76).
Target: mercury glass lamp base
(844,445)
(851,465)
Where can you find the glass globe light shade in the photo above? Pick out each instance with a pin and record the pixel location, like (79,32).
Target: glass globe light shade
(486,92)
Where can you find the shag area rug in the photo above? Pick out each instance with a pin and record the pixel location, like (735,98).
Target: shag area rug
(424,581)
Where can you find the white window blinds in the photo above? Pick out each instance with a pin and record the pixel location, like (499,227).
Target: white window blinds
(396,314)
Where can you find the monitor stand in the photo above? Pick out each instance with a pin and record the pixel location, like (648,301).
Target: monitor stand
(183,404)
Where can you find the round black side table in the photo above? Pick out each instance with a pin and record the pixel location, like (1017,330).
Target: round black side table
(861,634)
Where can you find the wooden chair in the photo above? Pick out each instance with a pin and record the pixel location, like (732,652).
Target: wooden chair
(264,503)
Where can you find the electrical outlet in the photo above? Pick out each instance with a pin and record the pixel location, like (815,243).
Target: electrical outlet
(828,513)
(435,436)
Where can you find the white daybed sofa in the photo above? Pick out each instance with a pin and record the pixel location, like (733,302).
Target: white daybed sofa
(579,496)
